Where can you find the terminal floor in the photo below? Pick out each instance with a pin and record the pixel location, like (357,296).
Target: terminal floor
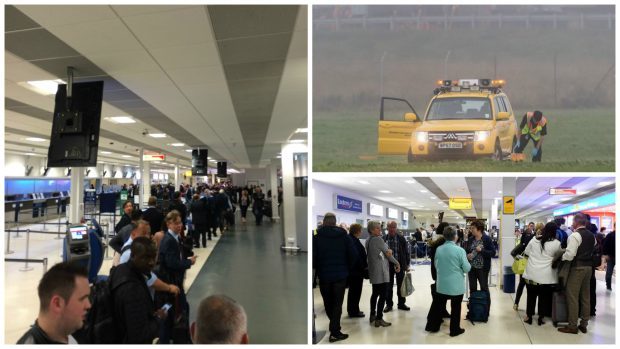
(505,325)
(246,249)
(248,266)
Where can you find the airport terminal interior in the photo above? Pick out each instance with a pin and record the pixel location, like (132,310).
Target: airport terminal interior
(193,96)
(503,205)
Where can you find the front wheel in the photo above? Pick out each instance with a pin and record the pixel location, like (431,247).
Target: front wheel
(497,153)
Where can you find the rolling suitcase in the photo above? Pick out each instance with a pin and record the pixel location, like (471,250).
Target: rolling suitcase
(559,311)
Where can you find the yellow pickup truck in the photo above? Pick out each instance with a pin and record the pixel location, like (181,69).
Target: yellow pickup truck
(465,118)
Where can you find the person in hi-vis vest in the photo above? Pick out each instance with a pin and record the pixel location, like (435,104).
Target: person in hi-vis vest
(534,127)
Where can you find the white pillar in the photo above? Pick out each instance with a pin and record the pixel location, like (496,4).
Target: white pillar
(273,177)
(177,176)
(213,180)
(76,208)
(146,182)
(507,237)
(290,214)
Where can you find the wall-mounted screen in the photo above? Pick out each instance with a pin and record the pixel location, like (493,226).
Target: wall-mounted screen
(375,210)
(392,213)
(405,216)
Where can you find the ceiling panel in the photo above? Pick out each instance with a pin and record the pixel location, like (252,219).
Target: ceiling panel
(243,21)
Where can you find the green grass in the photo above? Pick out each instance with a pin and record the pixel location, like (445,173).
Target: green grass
(578,141)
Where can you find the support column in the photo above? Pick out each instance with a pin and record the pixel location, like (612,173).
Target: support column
(177,176)
(273,177)
(507,237)
(76,208)
(213,180)
(295,211)
(145,167)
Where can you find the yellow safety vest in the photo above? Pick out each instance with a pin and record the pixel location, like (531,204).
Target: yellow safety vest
(533,129)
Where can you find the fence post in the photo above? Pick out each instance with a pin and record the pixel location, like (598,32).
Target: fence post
(8,244)
(26,267)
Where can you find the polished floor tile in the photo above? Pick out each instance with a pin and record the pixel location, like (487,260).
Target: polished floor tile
(505,325)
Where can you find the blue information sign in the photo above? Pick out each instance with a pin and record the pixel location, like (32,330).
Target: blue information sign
(348,204)
(601,201)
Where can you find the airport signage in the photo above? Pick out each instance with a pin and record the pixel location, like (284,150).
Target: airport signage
(405,216)
(509,205)
(601,201)
(460,203)
(375,210)
(153,157)
(562,191)
(348,204)
(392,213)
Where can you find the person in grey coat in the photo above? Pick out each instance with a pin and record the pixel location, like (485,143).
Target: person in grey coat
(379,255)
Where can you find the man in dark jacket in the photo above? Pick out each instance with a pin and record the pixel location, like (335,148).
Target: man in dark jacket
(172,269)
(400,249)
(609,252)
(199,213)
(117,242)
(153,215)
(126,218)
(356,276)
(333,255)
(178,205)
(134,310)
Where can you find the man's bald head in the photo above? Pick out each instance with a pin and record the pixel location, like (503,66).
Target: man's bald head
(220,320)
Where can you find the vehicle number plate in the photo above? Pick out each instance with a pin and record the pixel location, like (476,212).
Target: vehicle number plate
(450,145)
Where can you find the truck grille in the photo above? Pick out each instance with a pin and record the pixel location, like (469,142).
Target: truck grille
(450,136)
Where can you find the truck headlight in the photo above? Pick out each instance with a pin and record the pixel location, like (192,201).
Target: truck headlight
(481,136)
(422,136)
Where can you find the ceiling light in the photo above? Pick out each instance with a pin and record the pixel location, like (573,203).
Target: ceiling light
(400,198)
(499,192)
(385,191)
(212,160)
(363,182)
(157,135)
(297,141)
(46,87)
(277,157)
(301,130)
(125,156)
(105,152)
(35,139)
(177,144)
(602,184)
(411,181)
(30,154)
(121,119)
(423,191)
(433,197)
(188,150)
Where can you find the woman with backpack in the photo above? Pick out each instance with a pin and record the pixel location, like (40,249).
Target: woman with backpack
(539,276)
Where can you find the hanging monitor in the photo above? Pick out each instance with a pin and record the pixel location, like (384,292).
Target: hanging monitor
(75,126)
(221,169)
(199,162)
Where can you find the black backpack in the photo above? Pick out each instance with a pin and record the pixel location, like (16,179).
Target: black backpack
(100,324)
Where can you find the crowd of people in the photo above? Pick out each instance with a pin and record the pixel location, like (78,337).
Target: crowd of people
(144,293)
(560,260)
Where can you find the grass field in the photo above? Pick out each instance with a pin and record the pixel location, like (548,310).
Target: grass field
(578,141)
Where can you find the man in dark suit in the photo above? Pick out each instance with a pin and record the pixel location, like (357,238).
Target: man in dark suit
(172,270)
(199,213)
(153,215)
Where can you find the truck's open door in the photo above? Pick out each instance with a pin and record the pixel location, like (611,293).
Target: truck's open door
(397,121)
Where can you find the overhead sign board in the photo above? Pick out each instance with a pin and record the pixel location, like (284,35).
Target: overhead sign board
(405,216)
(348,204)
(601,201)
(375,210)
(460,203)
(509,205)
(392,213)
(562,191)
(153,157)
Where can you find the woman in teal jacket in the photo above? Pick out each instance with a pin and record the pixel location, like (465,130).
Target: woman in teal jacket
(451,264)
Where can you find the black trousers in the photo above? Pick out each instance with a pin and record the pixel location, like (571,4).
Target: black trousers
(355,294)
(390,292)
(478,276)
(544,294)
(200,230)
(377,299)
(333,296)
(435,313)
(520,289)
(443,309)
(523,142)
(593,293)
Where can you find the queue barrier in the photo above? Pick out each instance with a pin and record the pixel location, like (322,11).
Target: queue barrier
(25,260)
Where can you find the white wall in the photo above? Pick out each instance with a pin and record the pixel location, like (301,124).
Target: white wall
(15,166)
(324,202)
(256,174)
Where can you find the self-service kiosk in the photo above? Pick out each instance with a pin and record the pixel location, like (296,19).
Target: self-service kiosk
(77,245)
